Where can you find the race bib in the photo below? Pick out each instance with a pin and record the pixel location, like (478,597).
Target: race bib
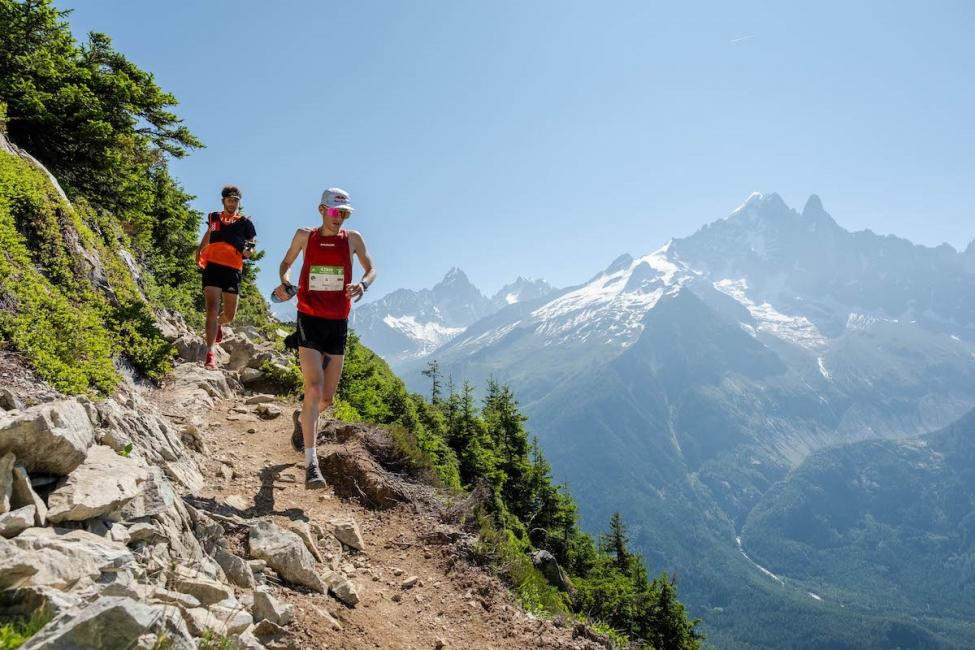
(326,278)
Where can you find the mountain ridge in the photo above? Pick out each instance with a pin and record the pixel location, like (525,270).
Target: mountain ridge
(407,324)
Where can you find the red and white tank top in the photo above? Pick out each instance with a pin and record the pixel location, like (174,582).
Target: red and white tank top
(325,271)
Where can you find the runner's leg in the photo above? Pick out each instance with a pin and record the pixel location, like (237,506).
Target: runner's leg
(333,372)
(212,297)
(229,307)
(311,371)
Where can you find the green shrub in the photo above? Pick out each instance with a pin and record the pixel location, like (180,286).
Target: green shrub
(506,556)
(69,330)
(213,641)
(619,640)
(16,633)
(288,380)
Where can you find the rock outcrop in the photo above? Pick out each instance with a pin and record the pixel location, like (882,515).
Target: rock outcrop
(104,483)
(50,438)
(286,553)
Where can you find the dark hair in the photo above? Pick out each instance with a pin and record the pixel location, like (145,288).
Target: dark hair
(231,190)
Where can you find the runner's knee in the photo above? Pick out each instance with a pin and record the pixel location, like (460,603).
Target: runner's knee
(313,393)
(229,311)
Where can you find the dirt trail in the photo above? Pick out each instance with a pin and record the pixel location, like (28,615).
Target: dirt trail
(452,605)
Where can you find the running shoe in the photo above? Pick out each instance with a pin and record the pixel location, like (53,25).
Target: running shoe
(297,440)
(313,478)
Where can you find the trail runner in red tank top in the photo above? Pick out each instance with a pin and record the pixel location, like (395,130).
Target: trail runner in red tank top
(325,295)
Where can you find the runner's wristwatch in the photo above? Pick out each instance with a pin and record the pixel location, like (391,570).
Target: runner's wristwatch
(365,285)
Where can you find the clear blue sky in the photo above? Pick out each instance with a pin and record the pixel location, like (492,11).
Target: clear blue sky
(545,138)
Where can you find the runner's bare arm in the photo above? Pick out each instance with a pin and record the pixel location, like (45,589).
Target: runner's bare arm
(203,244)
(359,248)
(297,245)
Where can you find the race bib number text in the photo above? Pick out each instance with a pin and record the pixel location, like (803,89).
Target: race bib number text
(326,278)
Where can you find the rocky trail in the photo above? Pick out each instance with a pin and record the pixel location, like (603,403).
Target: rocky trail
(176,517)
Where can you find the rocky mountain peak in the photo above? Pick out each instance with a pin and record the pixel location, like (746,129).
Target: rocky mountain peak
(759,204)
(455,278)
(968,257)
(622,262)
(521,290)
(814,206)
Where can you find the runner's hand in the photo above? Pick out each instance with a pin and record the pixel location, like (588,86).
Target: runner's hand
(282,292)
(354,291)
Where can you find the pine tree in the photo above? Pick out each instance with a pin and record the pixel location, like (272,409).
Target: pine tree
(450,408)
(505,428)
(616,543)
(662,622)
(433,372)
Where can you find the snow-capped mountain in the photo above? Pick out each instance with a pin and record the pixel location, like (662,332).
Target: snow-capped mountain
(408,324)
(798,277)
(709,369)
(520,291)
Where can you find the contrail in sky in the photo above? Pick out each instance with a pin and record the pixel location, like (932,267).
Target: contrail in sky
(742,38)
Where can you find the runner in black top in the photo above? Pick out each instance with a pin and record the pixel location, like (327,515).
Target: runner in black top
(229,239)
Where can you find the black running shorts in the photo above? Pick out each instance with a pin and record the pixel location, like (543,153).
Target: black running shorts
(226,278)
(326,335)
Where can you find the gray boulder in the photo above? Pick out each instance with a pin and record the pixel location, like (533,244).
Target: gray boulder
(204,588)
(251,333)
(142,531)
(268,608)
(60,558)
(260,357)
(112,623)
(555,574)
(250,376)
(241,352)
(342,588)
(23,494)
(152,437)
(169,597)
(347,532)
(6,480)
(195,386)
(247,641)
(9,401)
(17,521)
(286,553)
(16,567)
(190,347)
(104,483)
(235,567)
(226,618)
(268,411)
(51,438)
(156,497)
(24,601)
(303,530)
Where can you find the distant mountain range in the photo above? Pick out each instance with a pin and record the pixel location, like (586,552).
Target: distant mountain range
(688,387)
(408,324)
